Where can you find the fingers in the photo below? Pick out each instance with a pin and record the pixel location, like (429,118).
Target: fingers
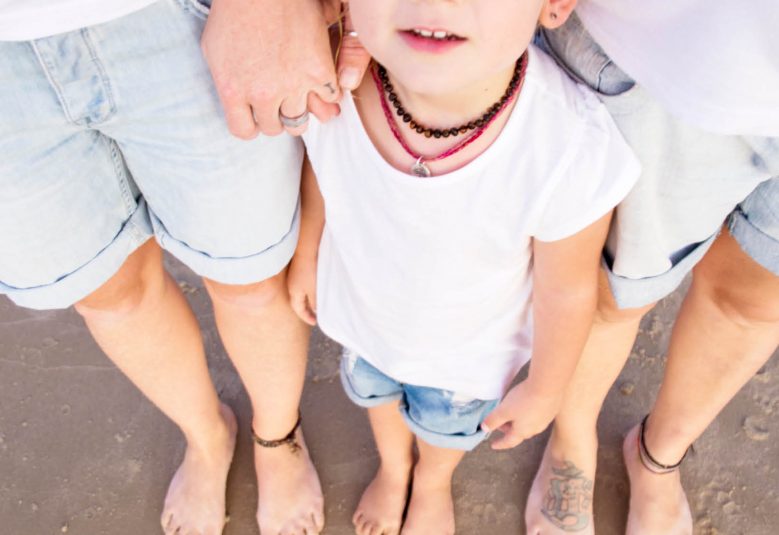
(495,419)
(511,438)
(324,111)
(299,303)
(503,422)
(353,61)
(292,108)
(238,114)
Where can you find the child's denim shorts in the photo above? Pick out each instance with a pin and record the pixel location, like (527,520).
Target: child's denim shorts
(692,181)
(439,417)
(112,135)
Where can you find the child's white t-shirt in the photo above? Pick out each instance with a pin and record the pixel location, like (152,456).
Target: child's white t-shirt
(429,280)
(712,63)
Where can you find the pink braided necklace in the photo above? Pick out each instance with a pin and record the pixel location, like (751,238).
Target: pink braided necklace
(419,168)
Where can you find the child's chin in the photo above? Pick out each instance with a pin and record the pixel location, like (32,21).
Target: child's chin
(427,82)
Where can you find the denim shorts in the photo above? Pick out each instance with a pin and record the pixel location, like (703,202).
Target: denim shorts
(439,417)
(113,134)
(692,181)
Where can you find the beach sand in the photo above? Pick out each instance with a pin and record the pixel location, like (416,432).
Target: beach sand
(82,452)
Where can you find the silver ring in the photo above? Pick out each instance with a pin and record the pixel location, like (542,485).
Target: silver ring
(352,33)
(293,122)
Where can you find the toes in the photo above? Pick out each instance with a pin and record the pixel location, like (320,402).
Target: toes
(359,523)
(318,518)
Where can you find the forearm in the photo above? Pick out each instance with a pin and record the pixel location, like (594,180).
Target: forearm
(312,217)
(565,296)
(562,319)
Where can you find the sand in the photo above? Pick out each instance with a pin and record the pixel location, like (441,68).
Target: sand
(82,452)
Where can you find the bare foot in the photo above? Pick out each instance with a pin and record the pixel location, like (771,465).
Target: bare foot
(431,509)
(380,511)
(290,496)
(658,505)
(195,502)
(560,499)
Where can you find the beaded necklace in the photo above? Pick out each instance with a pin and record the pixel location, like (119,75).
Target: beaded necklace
(479,126)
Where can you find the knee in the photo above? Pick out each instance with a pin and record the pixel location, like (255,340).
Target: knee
(742,301)
(140,276)
(248,297)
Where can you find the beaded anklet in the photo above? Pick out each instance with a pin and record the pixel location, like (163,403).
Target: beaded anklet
(289,439)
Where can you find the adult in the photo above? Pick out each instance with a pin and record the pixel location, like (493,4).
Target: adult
(111,133)
(694,87)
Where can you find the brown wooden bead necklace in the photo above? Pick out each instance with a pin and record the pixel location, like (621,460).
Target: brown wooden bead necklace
(486,117)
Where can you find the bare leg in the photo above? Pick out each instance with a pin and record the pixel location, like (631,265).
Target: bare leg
(268,345)
(727,328)
(560,499)
(143,323)
(431,509)
(380,511)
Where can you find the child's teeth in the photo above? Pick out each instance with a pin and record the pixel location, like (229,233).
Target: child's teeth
(439,35)
(425,33)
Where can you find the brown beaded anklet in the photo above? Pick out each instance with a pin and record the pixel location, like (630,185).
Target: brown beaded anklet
(649,462)
(290,439)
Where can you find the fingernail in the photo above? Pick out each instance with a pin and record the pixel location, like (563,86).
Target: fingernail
(485,428)
(349,78)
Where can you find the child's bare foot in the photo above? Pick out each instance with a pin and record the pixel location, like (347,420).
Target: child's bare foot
(195,502)
(290,496)
(560,499)
(658,505)
(431,509)
(380,511)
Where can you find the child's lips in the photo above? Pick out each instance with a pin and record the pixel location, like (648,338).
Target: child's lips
(431,40)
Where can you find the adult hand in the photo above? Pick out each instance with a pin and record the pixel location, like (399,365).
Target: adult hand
(269,57)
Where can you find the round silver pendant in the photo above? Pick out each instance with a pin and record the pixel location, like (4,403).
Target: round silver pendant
(420,170)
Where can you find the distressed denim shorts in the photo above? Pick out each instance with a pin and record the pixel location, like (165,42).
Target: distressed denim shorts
(439,417)
(692,181)
(114,134)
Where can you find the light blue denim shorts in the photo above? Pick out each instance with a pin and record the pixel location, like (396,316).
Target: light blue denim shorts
(692,181)
(439,417)
(114,134)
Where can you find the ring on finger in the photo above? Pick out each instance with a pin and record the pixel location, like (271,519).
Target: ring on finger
(294,122)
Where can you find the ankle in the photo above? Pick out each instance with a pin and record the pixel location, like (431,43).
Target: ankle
(567,443)
(276,428)
(395,469)
(432,478)
(667,447)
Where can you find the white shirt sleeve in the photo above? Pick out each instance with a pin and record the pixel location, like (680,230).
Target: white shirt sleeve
(597,177)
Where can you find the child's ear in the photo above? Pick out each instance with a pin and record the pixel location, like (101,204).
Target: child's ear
(556,12)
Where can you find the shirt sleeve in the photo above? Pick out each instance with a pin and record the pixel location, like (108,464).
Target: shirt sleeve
(597,176)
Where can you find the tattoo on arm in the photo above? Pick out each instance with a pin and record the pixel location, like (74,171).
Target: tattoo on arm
(569,498)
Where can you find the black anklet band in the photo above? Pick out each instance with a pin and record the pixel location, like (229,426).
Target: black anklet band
(649,462)
(289,440)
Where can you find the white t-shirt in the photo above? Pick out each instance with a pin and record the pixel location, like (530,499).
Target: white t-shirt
(23,20)
(429,280)
(712,63)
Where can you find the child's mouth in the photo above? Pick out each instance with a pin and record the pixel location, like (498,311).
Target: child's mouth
(431,40)
(436,35)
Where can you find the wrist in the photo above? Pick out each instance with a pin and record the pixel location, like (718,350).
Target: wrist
(542,392)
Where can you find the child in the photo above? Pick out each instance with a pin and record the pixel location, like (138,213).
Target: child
(467,178)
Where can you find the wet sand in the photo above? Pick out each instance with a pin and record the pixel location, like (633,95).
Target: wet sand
(81,451)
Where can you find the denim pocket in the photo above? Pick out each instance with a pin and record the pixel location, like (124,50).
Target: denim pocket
(198,8)
(576,52)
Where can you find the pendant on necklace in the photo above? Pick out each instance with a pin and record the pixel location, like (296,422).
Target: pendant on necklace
(420,170)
